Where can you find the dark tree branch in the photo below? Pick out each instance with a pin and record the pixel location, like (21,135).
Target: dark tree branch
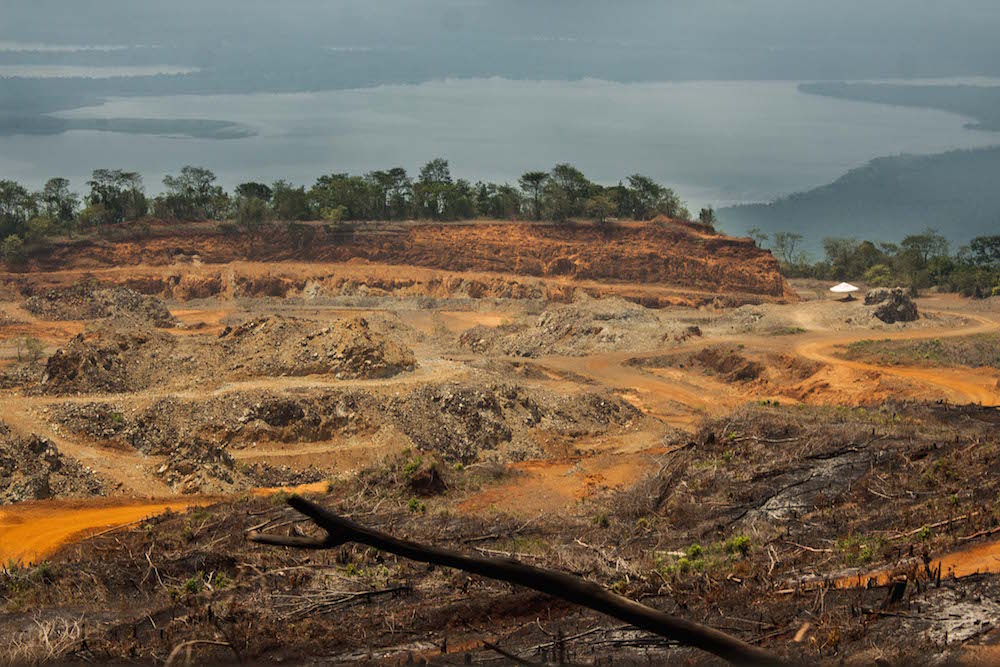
(551,582)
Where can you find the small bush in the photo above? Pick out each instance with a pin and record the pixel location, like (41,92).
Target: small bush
(738,545)
(416,506)
(193,585)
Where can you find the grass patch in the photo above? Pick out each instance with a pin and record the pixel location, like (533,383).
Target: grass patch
(982,350)
(716,557)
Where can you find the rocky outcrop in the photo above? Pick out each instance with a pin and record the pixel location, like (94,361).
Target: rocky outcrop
(892,305)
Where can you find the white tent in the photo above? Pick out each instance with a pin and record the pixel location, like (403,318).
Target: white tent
(844,288)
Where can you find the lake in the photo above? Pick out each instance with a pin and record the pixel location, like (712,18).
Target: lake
(715,142)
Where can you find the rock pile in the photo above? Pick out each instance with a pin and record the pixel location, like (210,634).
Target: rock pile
(581,328)
(274,346)
(892,305)
(33,469)
(87,301)
(107,362)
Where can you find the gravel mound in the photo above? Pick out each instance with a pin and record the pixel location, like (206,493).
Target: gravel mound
(33,469)
(580,328)
(86,301)
(470,423)
(462,422)
(349,349)
(108,362)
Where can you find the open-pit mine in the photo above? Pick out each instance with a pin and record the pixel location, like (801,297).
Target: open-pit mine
(651,406)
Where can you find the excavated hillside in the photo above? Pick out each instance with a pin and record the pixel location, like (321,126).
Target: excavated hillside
(666,253)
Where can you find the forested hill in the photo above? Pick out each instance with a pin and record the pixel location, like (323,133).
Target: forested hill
(956,192)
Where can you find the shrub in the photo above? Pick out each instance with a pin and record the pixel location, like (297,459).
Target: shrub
(193,585)
(738,545)
(12,249)
(32,348)
(879,275)
(251,213)
(416,506)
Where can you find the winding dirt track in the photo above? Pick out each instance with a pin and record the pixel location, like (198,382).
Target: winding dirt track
(958,385)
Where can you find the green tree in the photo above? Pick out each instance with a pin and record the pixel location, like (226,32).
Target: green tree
(707,217)
(362,198)
(436,171)
(252,190)
(38,229)
(432,191)
(290,203)
(59,202)
(839,253)
(17,206)
(601,207)
(251,213)
(400,193)
(644,196)
(925,245)
(93,216)
(335,215)
(194,195)
(379,184)
(497,201)
(879,275)
(985,250)
(574,188)
(533,185)
(120,192)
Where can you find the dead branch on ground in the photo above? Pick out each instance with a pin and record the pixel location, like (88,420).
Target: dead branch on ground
(551,582)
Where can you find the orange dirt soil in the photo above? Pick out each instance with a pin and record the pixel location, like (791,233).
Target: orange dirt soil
(557,261)
(668,254)
(31,531)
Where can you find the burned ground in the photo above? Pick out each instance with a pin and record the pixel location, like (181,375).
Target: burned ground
(703,550)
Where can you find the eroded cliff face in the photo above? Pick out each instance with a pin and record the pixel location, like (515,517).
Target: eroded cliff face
(669,255)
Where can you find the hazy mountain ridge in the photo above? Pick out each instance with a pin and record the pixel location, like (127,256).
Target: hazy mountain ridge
(888,198)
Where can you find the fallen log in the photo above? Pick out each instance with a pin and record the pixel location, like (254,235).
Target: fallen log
(340,530)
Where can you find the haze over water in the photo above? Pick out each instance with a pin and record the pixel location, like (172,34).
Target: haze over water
(715,142)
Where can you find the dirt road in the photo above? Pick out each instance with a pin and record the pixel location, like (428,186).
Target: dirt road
(962,385)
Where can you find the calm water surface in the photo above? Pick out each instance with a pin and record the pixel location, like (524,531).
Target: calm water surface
(715,142)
